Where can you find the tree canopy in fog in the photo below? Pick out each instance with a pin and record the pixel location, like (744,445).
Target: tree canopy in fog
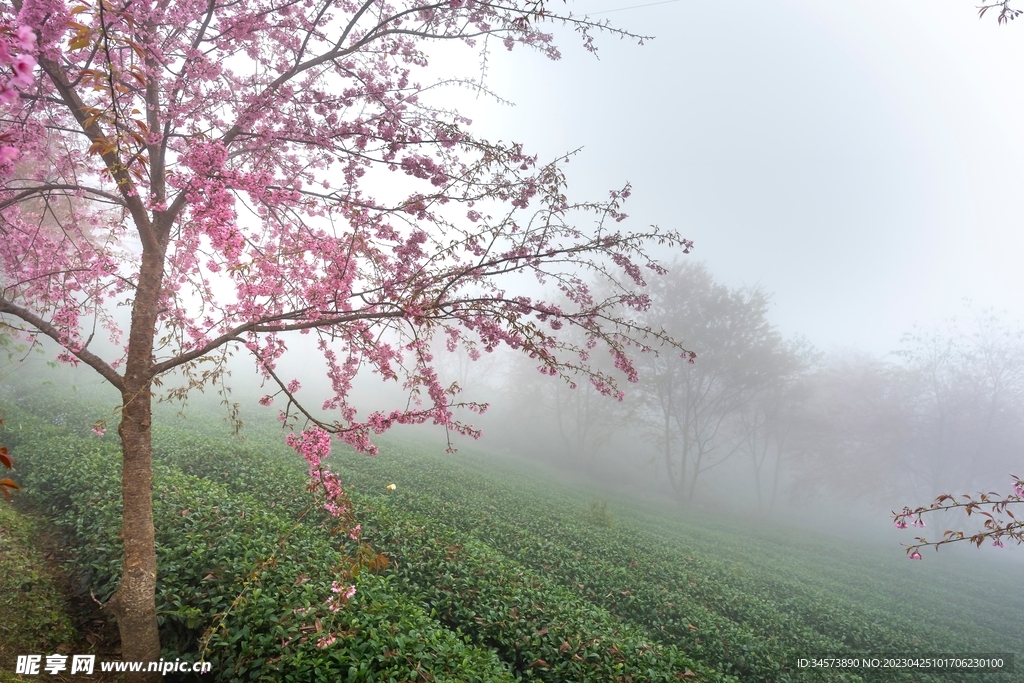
(769,420)
(701,412)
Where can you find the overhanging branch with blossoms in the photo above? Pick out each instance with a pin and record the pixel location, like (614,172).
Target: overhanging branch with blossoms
(999,523)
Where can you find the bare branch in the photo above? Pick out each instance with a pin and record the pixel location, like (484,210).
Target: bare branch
(86,356)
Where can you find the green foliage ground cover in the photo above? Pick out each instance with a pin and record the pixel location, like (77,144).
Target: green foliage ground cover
(544,632)
(241,584)
(511,566)
(685,588)
(752,618)
(226,533)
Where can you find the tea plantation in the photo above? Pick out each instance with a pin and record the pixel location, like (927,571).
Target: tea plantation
(492,574)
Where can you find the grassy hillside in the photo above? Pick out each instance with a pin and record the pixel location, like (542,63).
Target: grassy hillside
(495,573)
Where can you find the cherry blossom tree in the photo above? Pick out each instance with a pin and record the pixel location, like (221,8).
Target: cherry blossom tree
(16,46)
(236,173)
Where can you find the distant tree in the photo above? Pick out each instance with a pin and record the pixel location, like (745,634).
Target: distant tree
(946,410)
(573,421)
(967,388)
(766,424)
(852,429)
(691,404)
(971,410)
(587,421)
(238,172)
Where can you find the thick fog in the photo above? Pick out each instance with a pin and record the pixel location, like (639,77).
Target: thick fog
(857,159)
(848,173)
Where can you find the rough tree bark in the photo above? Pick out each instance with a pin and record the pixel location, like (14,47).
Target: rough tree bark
(134,603)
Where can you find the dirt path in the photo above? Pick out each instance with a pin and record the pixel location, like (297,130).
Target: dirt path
(42,609)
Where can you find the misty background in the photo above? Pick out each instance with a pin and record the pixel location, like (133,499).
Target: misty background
(850,174)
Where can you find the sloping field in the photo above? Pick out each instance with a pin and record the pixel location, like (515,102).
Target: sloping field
(494,573)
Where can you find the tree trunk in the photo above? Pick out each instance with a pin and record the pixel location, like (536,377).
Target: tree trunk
(692,489)
(668,454)
(134,603)
(775,477)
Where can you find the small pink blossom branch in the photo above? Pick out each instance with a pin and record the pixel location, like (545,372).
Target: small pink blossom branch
(993,507)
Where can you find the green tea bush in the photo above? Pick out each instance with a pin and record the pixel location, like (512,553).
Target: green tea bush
(542,631)
(520,571)
(753,624)
(598,515)
(246,584)
(545,632)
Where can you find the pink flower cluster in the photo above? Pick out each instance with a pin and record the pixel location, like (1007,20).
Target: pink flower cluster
(988,505)
(314,445)
(342,594)
(900,522)
(21,62)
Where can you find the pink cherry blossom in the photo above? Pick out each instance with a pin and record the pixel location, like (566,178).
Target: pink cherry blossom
(915,555)
(216,167)
(999,519)
(26,38)
(22,65)
(342,594)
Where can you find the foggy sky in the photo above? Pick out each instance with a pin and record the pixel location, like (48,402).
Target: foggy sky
(862,159)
